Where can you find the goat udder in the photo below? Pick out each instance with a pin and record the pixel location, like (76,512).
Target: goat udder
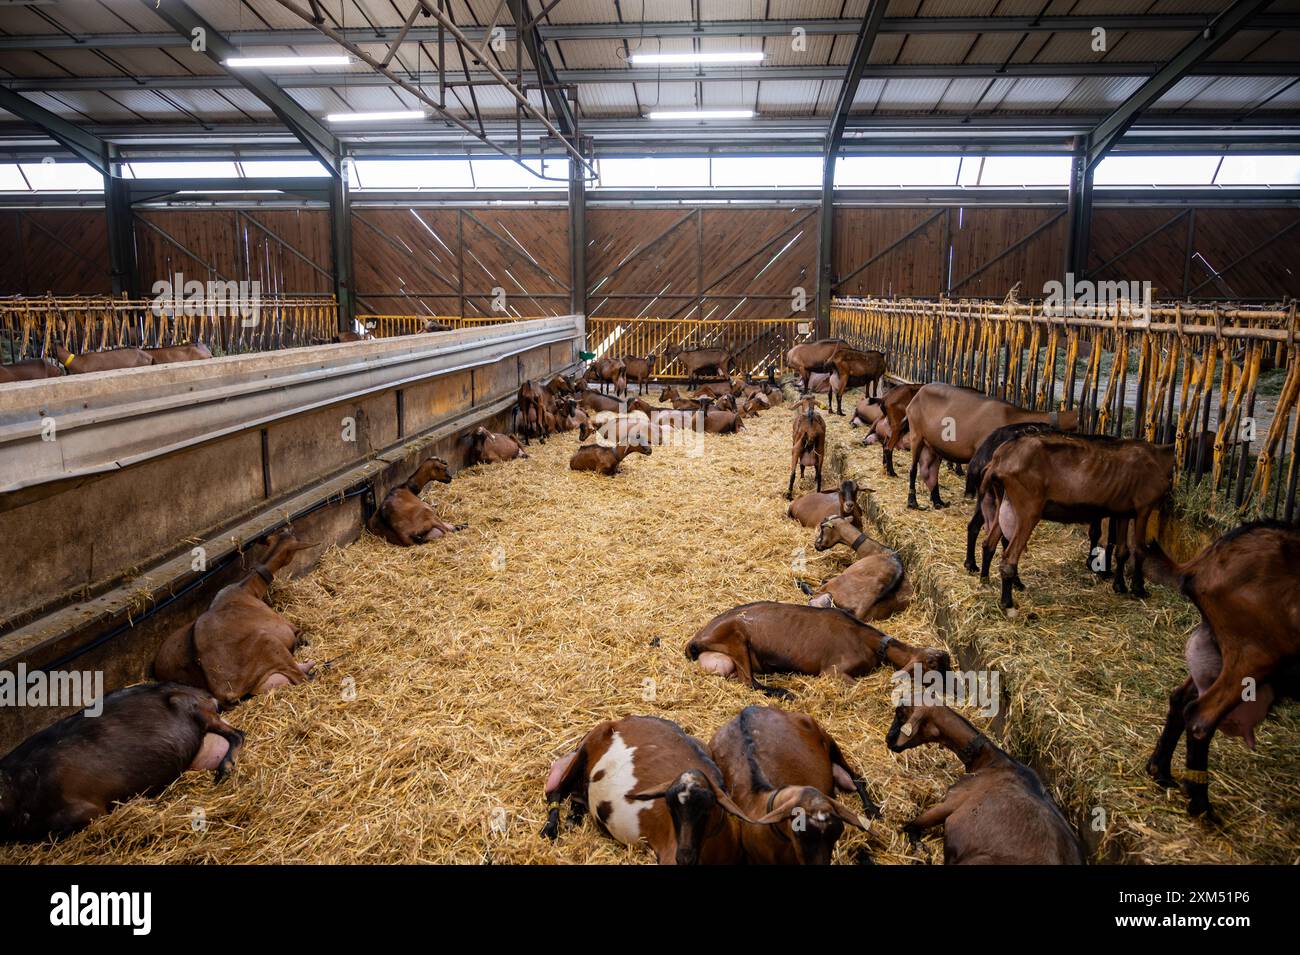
(1007,520)
(713,662)
(211,752)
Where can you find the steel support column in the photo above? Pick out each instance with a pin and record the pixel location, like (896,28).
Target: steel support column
(577,239)
(120,225)
(867,34)
(341,246)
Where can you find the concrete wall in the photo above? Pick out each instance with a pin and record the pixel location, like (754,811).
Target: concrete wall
(94,560)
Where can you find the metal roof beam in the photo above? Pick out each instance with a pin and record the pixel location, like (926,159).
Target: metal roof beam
(319,141)
(546,73)
(867,34)
(1184,63)
(884,71)
(657,30)
(85,146)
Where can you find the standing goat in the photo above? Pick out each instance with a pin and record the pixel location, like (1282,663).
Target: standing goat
(1244,655)
(808,444)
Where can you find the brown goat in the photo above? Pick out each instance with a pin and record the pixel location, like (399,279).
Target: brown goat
(1245,653)
(812,357)
(699,360)
(853,367)
(1101,476)
(1052,511)
(30,369)
(593,402)
(531,411)
(644,778)
(239,646)
(770,637)
(867,412)
(808,444)
(57,781)
(949,423)
(167,354)
(639,370)
(109,360)
(783,770)
(595,457)
(895,404)
(603,371)
(998,813)
(488,447)
(873,587)
(815,506)
(405,520)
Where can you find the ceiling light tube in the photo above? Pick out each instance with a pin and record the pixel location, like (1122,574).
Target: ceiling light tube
(375,117)
(690,114)
(272,62)
(687,59)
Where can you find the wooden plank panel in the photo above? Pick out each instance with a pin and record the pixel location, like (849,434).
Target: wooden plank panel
(1158,259)
(916,267)
(54,251)
(979,236)
(1223,236)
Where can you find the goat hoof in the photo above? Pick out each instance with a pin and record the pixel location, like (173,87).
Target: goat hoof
(1139,591)
(970,567)
(1018,584)
(938,505)
(1161,775)
(1011,612)
(912,505)
(551,830)
(1201,809)
(1119,588)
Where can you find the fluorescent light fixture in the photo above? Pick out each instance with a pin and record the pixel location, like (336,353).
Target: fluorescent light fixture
(374,117)
(270,62)
(702,114)
(673,59)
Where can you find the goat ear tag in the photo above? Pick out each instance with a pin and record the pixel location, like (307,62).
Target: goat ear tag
(907,729)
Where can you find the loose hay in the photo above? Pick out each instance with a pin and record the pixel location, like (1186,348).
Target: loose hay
(473,673)
(1086,674)
(466,666)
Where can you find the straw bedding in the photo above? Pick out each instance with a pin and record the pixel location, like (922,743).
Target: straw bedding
(1086,675)
(464,667)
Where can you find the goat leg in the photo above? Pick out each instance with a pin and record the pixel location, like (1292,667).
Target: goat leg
(1160,764)
(972,532)
(1196,783)
(930,818)
(911,486)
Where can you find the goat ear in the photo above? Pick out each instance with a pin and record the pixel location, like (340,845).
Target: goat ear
(779,812)
(646,795)
(848,816)
(727,804)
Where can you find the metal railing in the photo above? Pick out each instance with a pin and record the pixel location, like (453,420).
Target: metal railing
(1222,383)
(755,343)
(389,326)
(31,327)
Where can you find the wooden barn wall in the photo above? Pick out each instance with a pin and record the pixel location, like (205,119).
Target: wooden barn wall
(891,251)
(741,263)
(55,251)
(448,261)
(287,251)
(692,263)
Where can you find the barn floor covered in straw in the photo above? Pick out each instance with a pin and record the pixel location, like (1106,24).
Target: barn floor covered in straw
(464,667)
